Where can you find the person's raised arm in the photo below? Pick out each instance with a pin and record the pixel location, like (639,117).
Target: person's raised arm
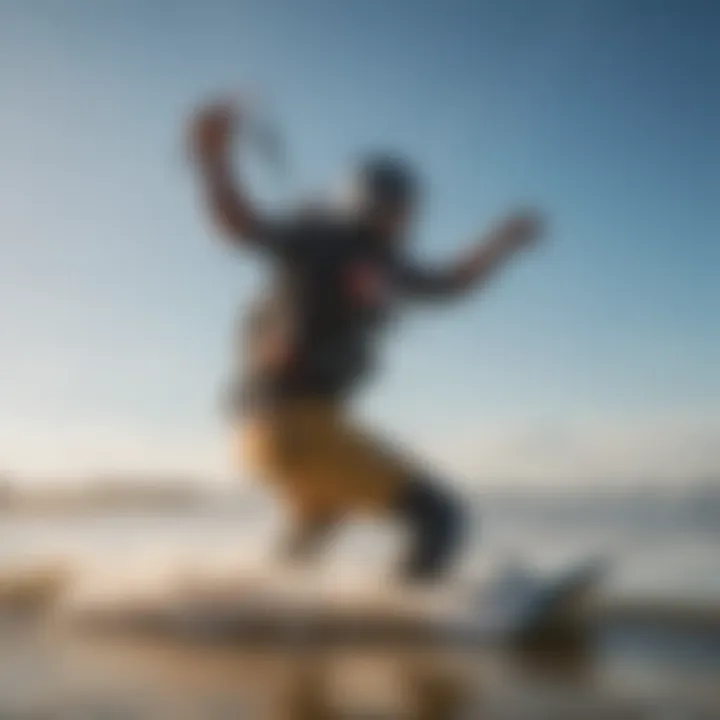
(494,250)
(211,132)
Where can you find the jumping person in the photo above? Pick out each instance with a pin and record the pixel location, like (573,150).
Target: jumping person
(309,343)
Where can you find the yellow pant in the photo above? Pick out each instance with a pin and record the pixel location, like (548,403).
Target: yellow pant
(320,462)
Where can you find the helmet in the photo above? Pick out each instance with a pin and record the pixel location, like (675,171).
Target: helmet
(383,181)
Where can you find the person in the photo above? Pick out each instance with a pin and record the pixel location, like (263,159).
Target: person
(310,340)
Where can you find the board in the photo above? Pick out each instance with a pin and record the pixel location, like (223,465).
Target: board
(283,607)
(526,605)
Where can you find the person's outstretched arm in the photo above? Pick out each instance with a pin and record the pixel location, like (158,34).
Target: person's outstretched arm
(211,132)
(507,239)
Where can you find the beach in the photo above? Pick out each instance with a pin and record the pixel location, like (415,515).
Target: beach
(658,658)
(47,673)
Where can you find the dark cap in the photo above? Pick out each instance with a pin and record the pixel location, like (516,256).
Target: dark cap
(384,180)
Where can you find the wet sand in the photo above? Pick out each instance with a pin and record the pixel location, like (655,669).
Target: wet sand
(50,672)
(635,666)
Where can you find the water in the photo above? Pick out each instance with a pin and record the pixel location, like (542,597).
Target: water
(665,546)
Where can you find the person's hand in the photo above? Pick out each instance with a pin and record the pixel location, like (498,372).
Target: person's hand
(521,229)
(211,129)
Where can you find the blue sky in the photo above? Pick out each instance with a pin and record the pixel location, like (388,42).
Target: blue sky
(594,357)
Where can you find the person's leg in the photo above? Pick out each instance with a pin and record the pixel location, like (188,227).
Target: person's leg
(436,528)
(294,448)
(376,477)
(321,461)
(306,537)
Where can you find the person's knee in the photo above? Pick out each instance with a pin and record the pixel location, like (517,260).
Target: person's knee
(437,520)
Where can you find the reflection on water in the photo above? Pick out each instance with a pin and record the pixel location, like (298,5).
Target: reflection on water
(83,678)
(47,673)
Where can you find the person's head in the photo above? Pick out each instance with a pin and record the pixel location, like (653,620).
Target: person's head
(384,192)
